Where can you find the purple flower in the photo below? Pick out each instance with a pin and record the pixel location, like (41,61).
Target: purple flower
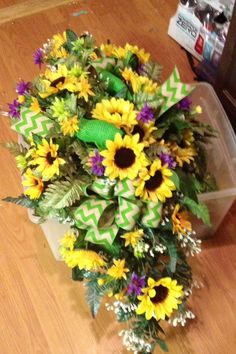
(14,109)
(38,57)
(22,87)
(146,114)
(184,104)
(136,285)
(167,159)
(96,164)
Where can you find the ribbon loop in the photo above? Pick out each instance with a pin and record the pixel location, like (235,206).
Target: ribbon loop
(89,213)
(127,214)
(152,214)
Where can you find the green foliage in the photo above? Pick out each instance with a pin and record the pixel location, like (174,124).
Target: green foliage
(198,209)
(94,293)
(71,37)
(186,185)
(61,194)
(152,70)
(152,99)
(175,179)
(162,344)
(22,200)
(14,148)
(124,316)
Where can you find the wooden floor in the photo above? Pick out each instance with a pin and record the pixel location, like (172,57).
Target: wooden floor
(42,310)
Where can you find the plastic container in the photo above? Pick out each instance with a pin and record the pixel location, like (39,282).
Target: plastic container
(221,159)
(221,162)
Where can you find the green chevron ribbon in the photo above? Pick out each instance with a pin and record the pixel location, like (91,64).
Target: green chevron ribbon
(128,213)
(103,187)
(152,214)
(103,236)
(32,123)
(173,91)
(115,207)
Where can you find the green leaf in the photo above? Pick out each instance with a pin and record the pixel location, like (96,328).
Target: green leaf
(77,274)
(175,179)
(152,99)
(71,37)
(186,184)
(152,70)
(198,209)
(22,200)
(94,293)
(173,256)
(14,148)
(162,344)
(61,194)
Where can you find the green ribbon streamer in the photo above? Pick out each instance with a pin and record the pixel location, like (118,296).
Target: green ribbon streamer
(173,91)
(103,217)
(97,132)
(115,86)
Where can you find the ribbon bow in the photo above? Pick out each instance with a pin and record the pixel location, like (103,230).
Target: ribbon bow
(114,207)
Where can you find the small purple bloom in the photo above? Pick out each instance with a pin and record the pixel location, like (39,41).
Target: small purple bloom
(22,87)
(38,57)
(14,109)
(136,285)
(185,104)
(96,163)
(146,114)
(167,159)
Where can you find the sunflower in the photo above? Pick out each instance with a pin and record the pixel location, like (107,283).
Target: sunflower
(69,126)
(34,183)
(84,259)
(55,81)
(181,225)
(108,49)
(160,298)
(144,131)
(47,159)
(123,157)
(57,50)
(132,238)
(121,52)
(138,82)
(154,183)
(182,155)
(117,111)
(118,270)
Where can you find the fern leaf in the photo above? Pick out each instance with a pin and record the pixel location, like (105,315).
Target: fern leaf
(14,148)
(22,200)
(152,99)
(152,70)
(61,194)
(198,209)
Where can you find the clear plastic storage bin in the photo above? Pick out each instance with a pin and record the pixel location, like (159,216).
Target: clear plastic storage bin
(221,158)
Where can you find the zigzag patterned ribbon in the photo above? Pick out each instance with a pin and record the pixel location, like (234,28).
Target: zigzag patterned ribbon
(173,91)
(90,213)
(31,123)
(152,214)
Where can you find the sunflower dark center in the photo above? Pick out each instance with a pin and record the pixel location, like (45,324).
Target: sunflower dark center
(50,159)
(124,157)
(138,130)
(161,294)
(58,81)
(154,182)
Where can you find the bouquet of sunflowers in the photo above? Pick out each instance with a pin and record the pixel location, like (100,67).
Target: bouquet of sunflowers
(108,149)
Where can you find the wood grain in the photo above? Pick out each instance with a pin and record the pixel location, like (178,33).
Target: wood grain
(42,310)
(19,9)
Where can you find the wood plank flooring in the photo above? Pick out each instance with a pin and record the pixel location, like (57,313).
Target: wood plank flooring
(42,310)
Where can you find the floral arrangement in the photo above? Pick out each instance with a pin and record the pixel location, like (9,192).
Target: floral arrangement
(108,149)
